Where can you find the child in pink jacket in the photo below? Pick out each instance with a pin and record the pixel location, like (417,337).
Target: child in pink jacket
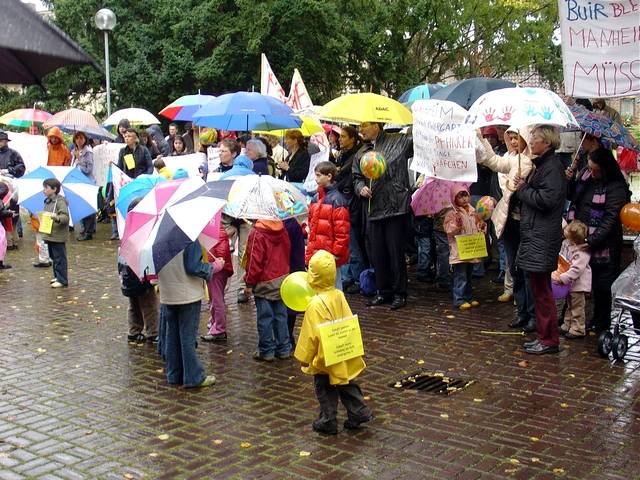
(576,252)
(462,220)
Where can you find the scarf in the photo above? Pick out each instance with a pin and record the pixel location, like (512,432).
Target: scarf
(598,204)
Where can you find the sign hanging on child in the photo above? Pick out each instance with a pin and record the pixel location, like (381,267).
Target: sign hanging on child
(46,223)
(471,246)
(443,145)
(341,340)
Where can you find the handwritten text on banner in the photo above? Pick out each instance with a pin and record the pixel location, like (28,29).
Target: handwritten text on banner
(600,47)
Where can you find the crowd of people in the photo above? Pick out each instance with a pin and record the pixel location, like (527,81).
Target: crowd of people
(546,204)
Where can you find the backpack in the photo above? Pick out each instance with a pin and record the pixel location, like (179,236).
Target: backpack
(368,282)
(129,282)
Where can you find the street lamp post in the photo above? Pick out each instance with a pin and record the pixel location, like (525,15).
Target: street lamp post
(105,20)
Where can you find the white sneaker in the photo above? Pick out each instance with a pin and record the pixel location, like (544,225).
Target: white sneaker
(53,280)
(57,284)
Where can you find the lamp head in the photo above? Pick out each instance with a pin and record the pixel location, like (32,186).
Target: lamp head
(105,19)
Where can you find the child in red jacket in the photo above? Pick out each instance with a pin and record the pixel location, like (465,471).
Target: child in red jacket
(220,260)
(329,219)
(267,254)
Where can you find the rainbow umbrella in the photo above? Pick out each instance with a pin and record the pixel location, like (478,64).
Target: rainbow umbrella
(184,107)
(25,117)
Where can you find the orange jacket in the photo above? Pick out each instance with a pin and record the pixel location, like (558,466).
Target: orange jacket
(59,154)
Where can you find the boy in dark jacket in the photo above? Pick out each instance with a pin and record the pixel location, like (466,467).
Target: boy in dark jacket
(55,230)
(329,219)
(267,254)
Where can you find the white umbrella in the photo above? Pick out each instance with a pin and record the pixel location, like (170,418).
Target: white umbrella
(136,116)
(520,107)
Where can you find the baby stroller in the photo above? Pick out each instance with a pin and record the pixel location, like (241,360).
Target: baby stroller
(626,296)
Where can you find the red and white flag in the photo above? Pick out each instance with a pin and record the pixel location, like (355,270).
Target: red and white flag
(298,96)
(269,84)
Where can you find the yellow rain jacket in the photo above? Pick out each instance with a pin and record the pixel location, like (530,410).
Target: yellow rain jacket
(328,304)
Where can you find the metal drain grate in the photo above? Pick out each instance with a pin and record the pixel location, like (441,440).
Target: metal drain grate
(437,383)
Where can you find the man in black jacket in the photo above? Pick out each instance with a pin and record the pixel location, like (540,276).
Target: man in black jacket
(387,200)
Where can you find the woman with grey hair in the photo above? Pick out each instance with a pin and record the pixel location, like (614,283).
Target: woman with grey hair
(542,196)
(257,152)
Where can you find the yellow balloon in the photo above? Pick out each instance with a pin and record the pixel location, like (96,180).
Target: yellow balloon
(296,292)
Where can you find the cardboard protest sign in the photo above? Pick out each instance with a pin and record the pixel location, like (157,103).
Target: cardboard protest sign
(443,145)
(103,155)
(600,45)
(189,163)
(341,340)
(471,246)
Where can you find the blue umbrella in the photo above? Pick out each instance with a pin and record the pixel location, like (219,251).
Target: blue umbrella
(246,111)
(466,92)
(420,92)
(136,188)
(80,191)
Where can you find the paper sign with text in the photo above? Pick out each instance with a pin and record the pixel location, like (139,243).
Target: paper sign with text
(600,47)
(190,163)
(443,145)
(46,223)
(471,246)
(341,340)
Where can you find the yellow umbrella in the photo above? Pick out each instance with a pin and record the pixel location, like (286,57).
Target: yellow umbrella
(366,107)
(309,126)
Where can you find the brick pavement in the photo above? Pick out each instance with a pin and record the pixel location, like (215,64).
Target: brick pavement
(77,401)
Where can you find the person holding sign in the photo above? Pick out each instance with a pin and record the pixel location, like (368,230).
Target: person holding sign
(467,245)
(134,159)
(54,227)
(330,349)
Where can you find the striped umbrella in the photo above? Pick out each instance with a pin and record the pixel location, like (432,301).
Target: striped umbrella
(25,117)
(184,107)
(80,191)
(182,223)
(141,221)
(76,120)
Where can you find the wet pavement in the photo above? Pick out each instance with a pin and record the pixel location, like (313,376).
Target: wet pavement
(78,401)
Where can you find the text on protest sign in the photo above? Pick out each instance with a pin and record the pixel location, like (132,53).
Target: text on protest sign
(600,47)
(443,145)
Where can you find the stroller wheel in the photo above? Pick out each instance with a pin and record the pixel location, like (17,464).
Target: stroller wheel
(604,343)
(620,345)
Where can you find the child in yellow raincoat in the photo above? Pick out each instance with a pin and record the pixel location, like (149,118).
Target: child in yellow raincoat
(335,381)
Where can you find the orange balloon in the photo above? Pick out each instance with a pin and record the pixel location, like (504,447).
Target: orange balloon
(630,216)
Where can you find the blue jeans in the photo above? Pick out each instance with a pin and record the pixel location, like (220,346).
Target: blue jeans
(522,293)
(503,255)
(478,268)
(351,270)
(58,255)
(442,258)
(114,227)
(462,274)
(180,336)
(424,232)
(339,278)
(273,330)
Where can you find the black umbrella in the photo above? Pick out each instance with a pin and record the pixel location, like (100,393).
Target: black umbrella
(466,92)
(31,47)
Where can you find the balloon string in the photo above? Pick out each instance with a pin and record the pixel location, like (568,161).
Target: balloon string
(370,193)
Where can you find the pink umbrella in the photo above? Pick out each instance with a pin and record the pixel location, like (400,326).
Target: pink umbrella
(209,236)
(433,196)
(141,220)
